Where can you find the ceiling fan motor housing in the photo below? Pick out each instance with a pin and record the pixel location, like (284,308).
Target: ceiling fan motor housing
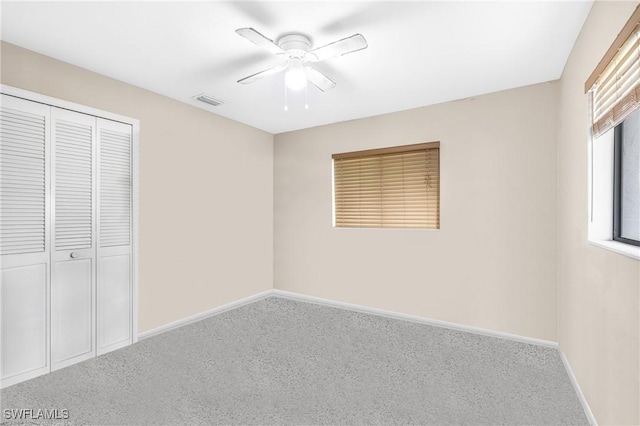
(296,45)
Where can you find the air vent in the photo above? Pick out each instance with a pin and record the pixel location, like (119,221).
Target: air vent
(208,99)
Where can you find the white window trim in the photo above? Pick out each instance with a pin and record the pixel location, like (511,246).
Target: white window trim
(600,215)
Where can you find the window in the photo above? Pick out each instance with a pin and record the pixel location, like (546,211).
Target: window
(626,181)
(396,187)
(614,94)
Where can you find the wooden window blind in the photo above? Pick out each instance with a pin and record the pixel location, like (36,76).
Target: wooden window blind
(395,187)
(614,86)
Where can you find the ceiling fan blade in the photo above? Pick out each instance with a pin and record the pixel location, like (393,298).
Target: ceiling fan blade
(319,80)
(262,41)
(262,74)
(337,48)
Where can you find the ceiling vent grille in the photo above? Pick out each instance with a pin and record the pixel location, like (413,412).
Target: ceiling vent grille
(208,99)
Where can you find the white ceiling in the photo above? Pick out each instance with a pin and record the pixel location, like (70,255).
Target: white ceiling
(420,53)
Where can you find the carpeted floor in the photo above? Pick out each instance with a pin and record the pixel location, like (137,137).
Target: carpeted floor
(277,361)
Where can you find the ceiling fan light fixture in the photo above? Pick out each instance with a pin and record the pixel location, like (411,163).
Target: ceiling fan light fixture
(295,78)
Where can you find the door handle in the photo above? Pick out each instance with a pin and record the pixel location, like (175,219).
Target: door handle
(73,255)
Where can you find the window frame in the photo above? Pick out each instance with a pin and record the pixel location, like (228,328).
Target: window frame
(617,187)
(599,215)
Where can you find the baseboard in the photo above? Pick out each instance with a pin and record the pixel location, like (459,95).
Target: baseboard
(23,377)
(413,318)
(206,314)
(341,305)
(578,390)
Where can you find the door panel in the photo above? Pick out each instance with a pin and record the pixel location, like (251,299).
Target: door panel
(24,239)
(115,223)
(23,296)
(72,312)
(73,244)
(114,306)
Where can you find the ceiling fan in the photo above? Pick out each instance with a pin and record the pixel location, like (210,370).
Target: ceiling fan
(295,51)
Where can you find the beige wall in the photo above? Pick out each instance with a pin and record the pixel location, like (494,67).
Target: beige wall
(493,262)
(598,289)
(206,190)
(511,254)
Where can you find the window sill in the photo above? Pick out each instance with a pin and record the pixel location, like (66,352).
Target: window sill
(385,229)
(618,247)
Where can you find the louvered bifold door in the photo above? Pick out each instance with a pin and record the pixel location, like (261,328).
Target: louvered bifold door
(115,224)
(73,310)
(24,240)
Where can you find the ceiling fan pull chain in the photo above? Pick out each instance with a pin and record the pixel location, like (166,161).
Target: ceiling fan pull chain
(286,102)
(306,96)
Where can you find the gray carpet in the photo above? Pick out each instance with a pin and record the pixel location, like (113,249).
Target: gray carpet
(278,361)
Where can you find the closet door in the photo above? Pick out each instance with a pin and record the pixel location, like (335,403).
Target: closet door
(24,240)
(115,262)
(73,309)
